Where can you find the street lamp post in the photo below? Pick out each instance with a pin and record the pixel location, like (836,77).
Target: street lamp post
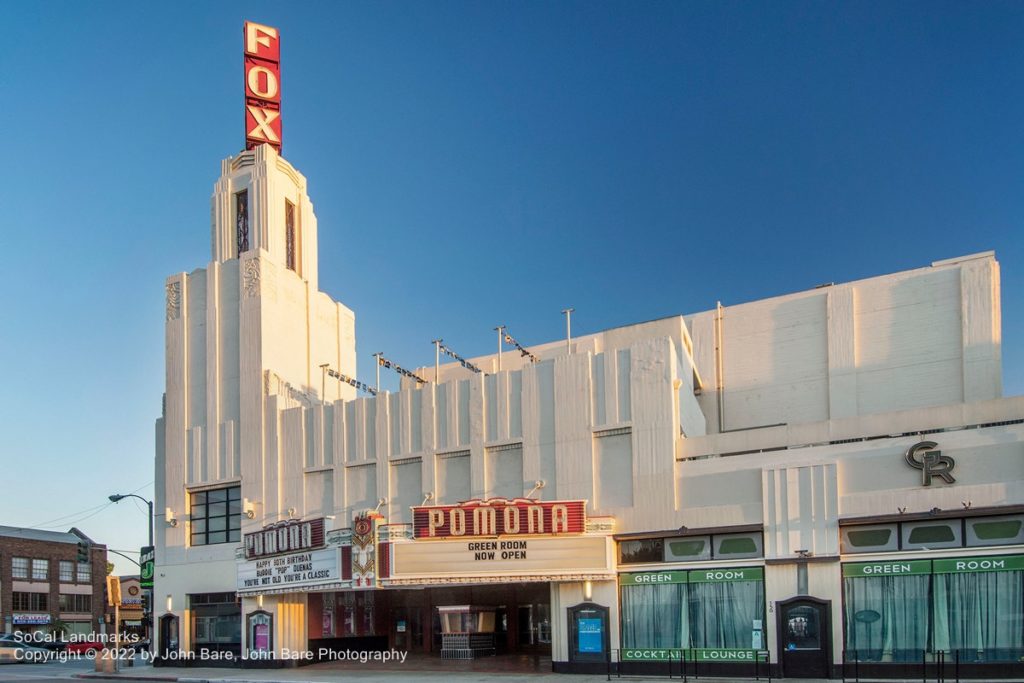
(116,498)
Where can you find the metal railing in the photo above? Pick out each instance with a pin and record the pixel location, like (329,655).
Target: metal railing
(940,660)
(682,662)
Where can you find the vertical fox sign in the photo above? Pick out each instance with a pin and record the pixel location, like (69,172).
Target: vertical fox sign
(262,86)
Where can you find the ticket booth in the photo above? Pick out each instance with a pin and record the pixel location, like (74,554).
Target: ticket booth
(467,632)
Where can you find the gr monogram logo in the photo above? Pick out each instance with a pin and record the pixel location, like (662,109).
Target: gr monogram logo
(932,463)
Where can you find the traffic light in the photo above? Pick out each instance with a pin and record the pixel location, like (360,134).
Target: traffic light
(83,552)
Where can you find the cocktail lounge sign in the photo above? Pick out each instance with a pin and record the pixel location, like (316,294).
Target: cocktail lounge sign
(499,517)
(291,536)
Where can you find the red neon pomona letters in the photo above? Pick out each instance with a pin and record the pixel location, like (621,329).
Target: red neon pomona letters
(262,86)
(499,517)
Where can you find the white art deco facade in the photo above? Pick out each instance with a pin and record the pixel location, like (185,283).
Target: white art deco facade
(826,475)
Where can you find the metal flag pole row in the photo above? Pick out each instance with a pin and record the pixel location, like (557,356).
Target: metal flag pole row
(511,341)
(383,362)
(439,347)
(462,361)
(342,377)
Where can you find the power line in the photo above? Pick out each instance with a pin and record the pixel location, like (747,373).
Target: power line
(66,520)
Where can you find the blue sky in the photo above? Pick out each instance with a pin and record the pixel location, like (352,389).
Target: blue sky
(474,164)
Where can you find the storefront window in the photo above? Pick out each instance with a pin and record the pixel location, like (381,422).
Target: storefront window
(654,615)
(978,607)
(896,610)
(886,612)
(704,609)
(724,606)
(216,622)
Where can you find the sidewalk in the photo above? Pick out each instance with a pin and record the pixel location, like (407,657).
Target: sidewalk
(332,672)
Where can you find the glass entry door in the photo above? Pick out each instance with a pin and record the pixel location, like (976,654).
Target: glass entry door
(805,637)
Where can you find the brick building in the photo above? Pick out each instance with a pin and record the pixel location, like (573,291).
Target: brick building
(42,582)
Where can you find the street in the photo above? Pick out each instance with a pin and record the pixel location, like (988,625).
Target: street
(52,670)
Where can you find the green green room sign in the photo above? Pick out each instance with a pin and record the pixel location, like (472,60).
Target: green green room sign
(726,575)
(888,568)
(650,578)
(693,576)
(960,565)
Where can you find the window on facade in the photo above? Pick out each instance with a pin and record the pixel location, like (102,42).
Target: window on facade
(894,610)
(707,608)
(84,572)
(39,570)
(995,530)
(19,567)
(695,548)
(635,552)
(613,468)
(216,516)
(67,571)
(690,548)
(242,221)
(75,603)
(737,546)
(216,622)
(289,234)
(869,539)
(30,602)
(971,532)
(929,535)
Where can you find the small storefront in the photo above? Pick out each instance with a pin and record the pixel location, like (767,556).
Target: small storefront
(697,596)
(707,614)
(905,611)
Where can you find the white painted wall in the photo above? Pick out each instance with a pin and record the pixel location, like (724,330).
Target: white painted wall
(879,357)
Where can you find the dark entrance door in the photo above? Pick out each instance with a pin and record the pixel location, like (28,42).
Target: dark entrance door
(805,637)
(168,636)
(407,628)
